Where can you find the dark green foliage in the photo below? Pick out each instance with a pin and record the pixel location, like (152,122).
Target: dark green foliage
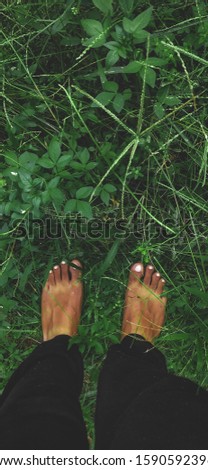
(104,117)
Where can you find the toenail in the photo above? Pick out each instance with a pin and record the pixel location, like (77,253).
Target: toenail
(158,274)
(150,267)
(163,280)
(138,268)
(63,262)
(50,271)
(56,267)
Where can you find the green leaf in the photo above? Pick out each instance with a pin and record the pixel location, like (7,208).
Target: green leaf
(84,156)
(104,97)
(105,197)
(70,206)
(159,110)
(24,276)
(11,158)
(25,177)
(57,195)
(150,76)
(45,163)
(63,161)
(140,22)
(104,5)
(84,192)
(76,166)
(110,86)
(92,27)
(132,67)
(45,197)
(156,61)
(109,188)
(118,102)
(172,101)
(91,166)
(110,257)
(112,58)
(127,6)
(28,160)
(54,149)
(54,182)
(140,36)
(85,209)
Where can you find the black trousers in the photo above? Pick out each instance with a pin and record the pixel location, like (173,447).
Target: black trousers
(139,404)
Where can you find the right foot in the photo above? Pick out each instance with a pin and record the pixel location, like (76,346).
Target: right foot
(144,310)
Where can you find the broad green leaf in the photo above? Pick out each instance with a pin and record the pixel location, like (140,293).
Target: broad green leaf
(84,156)
(159,110)
(155,61)
(91,166)
(110,86)
(11,158)
(150,76)
(139,23)
(132,67)
(63,161)
(118,102)
(112,58)
(105,197)
(25,177)
(104,97)
(45,163)
(92,27)
(85,209)
(28,160)
(140,36)
(45,197)
(172,101)
(54,182)
(104,5)
(76,166)
(54,149)
(70,206)
(177,337)
(109,188)
(143,19)
(127,6)
(57,195)
(84,192)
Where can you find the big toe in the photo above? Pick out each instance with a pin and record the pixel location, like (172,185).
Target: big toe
(76,272)
(136,272)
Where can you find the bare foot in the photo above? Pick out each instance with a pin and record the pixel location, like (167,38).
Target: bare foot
(144,310)
(62,301)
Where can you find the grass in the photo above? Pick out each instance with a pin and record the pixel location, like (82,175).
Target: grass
(106,120)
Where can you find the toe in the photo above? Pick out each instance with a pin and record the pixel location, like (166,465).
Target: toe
(136,272)
(161,285)
(148,274)
(76,273)
(64,271)
(57,273)
(50,280)
(155,280)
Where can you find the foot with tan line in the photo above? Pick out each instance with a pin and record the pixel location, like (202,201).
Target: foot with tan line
(144,309)
(61,301)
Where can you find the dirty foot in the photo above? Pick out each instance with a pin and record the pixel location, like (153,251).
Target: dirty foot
(61,301)
(144,310)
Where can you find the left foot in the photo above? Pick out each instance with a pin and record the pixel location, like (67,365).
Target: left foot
(61,301)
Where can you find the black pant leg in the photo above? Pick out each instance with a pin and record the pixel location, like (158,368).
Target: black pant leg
(128,369)
(40,406)
(141,406)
